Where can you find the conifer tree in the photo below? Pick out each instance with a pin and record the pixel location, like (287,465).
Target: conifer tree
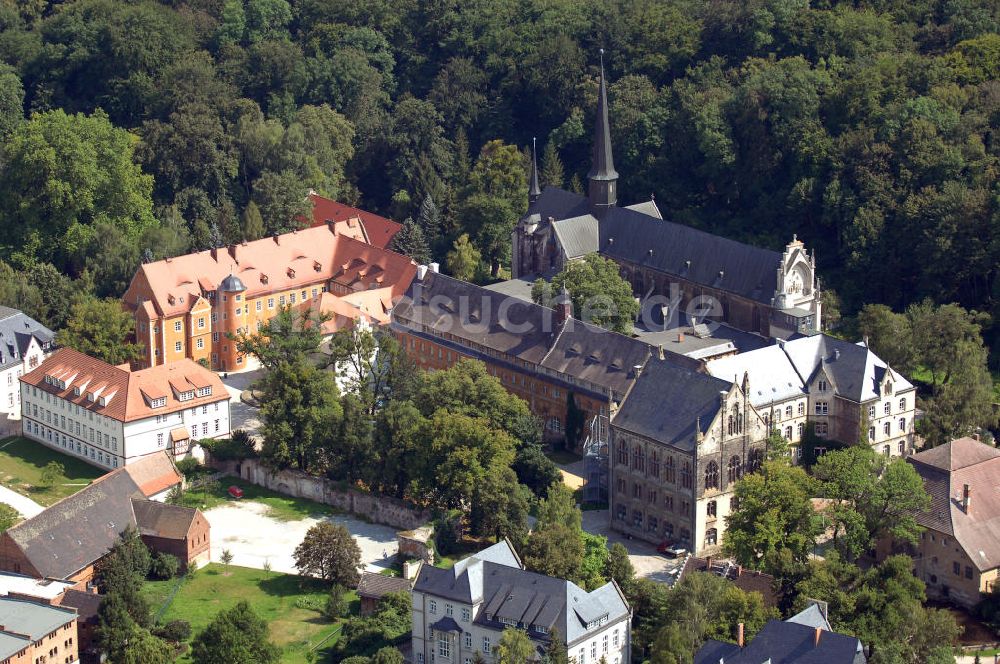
(552,173)
(411,242)
(251,223)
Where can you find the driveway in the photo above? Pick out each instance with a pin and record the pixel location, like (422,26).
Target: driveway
(26,506)
(242,416)
(647,562)
(253,537)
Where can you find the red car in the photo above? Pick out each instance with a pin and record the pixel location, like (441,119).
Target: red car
(235,491)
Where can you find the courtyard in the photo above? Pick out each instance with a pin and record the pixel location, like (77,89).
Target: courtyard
(22,463)
(263,529)
(647,562)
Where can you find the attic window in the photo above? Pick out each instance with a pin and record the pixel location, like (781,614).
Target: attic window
(291,273)
(76,391)
(205,391)
(171,299)
(263,278)
(317,266)
(158,402)
(185,396)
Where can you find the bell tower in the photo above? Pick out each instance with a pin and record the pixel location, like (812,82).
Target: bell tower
(603,178)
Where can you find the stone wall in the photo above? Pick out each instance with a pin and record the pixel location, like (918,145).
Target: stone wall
(378,509)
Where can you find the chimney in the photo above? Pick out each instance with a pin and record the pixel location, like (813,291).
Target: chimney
(819,631)
(563,307)
(966,496)
(739,635)
(421,272)
(836,354)
(215,254)
(434,267)
(636,370)
(680,337)
(275,238)
(661,353)
(332,225)
(232,251)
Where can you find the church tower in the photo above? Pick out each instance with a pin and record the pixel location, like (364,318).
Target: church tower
(603,178)
(534,191)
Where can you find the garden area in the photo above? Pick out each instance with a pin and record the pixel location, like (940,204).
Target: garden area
(205,493)
(27,467)
(291,605)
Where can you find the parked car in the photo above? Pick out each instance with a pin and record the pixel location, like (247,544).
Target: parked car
(671,549)
(235,491)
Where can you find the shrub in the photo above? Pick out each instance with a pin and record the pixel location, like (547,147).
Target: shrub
(336,602)
(189,467)
(311,603)
(236,448)
(448,533)
(175,630)
(164,566)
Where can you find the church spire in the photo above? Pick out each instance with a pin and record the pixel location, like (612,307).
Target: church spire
(602,176)
(534,191)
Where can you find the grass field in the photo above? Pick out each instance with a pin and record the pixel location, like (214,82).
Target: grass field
(287,602)
(281,507)
(21,465)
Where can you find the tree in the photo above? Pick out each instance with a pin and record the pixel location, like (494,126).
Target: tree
(535,470)
(8,517)
(555,550)
(575,421)
(387,655)
(251,223)
(559,508)
(871,496)
(64,173)
(101,329)
(774,520)
(411,241)
(619,567)
(597,292)
(555,651)
(552,173)
(499,174)
(52,471)
(464,259)
(11,101)
(226,558)
(330,553)
(514,647)
(288,337)
(235,635)
(429,221)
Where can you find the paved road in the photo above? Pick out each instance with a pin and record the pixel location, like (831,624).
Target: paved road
(26,506)
(647,562)
(243,416)
(253,537)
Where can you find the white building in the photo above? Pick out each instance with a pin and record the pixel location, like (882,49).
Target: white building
(112,416)
(836,385)
(24,343)
(464,610)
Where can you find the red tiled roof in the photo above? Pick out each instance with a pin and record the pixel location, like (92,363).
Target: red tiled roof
(378,230)
(128,390)
(154,473)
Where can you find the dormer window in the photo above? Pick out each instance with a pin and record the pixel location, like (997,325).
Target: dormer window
(185,396)
(76,391)
(291,273)
(158,402)
(205,391)
(263,278)
(317,266)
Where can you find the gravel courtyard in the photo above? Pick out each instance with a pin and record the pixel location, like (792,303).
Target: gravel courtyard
(253,537)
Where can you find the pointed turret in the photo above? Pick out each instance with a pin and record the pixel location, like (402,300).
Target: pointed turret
(534,191)
(602,176)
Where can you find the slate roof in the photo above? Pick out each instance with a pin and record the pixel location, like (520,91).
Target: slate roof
(648,208)
(377,586)
(496,577)
(86,604)
(475,316)
(78,530)
(772,375)
(855,370)
(629,233)
(578,236)
(16,332)
(667,401)
(946,470)
(603,167)
(22,622)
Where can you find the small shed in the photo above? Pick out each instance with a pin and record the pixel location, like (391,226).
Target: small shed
(373,587)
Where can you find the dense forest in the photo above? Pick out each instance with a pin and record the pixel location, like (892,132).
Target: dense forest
(134,130)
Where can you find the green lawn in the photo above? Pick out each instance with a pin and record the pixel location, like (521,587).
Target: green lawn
(281,507)
(21,464)
(283,600)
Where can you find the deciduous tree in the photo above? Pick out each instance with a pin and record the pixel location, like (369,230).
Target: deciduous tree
(101,329)
(329,552)
(597,292)
(235,636)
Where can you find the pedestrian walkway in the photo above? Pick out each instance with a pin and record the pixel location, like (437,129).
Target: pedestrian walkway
(24,505)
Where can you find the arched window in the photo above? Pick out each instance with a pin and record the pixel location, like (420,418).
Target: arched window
(902,404)
(712,475)
(711,537)
(788,410)
(686,475)
(711,508)
(802,408)
(755,460)
(654,463)
(802,429)
(639,459)
(730,425)
(669,470)
(623,453)
(735,468)
(788,433)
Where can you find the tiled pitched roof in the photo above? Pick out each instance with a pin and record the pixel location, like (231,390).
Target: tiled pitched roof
(379,231)
(379,585)
(785,643)
(162,519)
(129,392)
(154,473)
(946,470)
(279,263)
(78,530)
(86,604)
